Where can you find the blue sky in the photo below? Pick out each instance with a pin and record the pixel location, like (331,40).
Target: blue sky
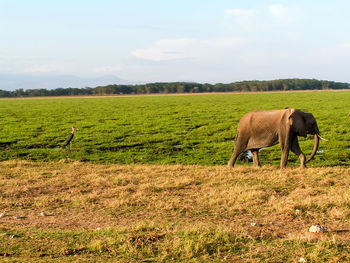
(182,40)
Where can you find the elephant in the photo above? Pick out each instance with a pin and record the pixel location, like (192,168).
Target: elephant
(261,129)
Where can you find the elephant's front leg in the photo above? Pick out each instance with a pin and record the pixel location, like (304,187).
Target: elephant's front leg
(285,146)
(296,149)
(285,142)
(284,157)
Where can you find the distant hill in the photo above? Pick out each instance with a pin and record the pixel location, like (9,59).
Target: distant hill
(175,87)
(46,81)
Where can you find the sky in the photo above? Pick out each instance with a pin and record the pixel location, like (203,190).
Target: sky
(177,40)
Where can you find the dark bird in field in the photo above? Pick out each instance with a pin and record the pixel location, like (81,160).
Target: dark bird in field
(70,138)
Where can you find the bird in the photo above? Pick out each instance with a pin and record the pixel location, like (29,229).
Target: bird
(70,138)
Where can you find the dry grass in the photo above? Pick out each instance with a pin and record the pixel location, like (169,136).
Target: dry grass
(172,213)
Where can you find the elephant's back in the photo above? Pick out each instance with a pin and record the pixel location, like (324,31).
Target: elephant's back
(262,118)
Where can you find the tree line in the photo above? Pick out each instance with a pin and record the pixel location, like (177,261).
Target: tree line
(183,87)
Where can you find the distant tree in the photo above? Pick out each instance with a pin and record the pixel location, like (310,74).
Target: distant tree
(180,89)
(183,87)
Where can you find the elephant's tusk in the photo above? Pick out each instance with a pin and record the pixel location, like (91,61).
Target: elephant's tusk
(322,138)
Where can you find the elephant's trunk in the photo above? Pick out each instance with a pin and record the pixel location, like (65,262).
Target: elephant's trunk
(314,150)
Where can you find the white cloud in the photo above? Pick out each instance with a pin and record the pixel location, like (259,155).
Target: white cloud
(245,18)
(261,19)
(281,13)
(187,48)
(166,49)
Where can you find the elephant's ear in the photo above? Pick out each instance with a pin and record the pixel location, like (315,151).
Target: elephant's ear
(298,123)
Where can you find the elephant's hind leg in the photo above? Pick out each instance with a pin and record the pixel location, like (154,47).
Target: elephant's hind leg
(233,159)
(255,153)
(236,152)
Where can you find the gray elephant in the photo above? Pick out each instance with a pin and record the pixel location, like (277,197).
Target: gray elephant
(259,129)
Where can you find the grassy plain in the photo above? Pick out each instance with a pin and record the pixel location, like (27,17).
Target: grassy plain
(172,213)
(146,181)
(162,129)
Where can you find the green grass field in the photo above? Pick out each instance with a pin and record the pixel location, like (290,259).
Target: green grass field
(162,129)
(146,181)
